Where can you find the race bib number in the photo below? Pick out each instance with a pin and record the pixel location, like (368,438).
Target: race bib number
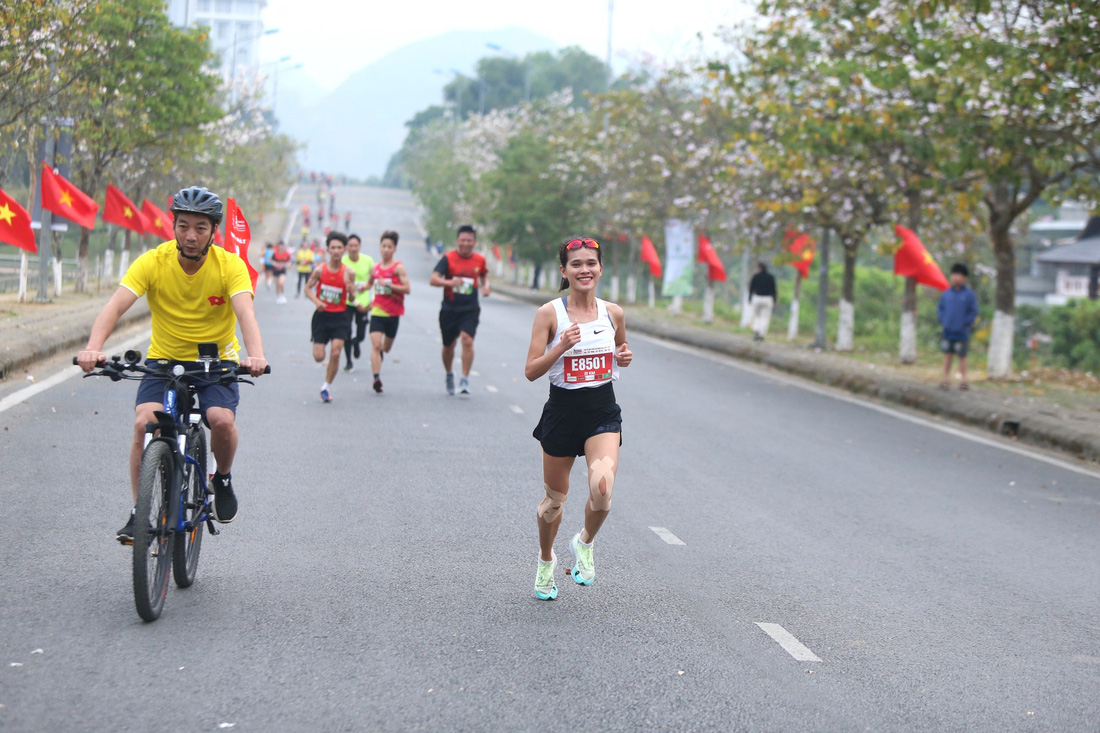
(383,286)
(588,368)
(330,294)
(465,286)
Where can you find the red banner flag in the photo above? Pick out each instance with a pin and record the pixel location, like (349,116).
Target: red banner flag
(15,224)
(716,272)
(649,256)
(65,199)
(803,248)
(159,222)
(496,251)
(119,209)
(239,236)
(913,260)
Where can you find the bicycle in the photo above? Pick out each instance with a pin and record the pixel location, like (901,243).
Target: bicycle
(174,501)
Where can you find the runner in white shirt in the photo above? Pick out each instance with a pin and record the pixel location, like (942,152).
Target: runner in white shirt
(579,341)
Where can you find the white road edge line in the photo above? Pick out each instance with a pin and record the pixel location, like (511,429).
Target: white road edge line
(865,402)
(516,409)
(667,536)
(791,645)
(68,372)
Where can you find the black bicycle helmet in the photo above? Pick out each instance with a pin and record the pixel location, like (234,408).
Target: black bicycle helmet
(198,200)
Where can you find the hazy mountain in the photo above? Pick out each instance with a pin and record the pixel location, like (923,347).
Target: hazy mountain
(355,128)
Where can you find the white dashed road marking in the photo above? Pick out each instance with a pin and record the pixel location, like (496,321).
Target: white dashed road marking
(491,388)
(667,536)
(785,639)
(516,409)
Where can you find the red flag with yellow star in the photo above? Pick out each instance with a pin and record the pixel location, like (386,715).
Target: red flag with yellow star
(65,199)
(802,247)
(649,256)
(715,270)
(159,222)
(15,224)
(119,209)
(913,260)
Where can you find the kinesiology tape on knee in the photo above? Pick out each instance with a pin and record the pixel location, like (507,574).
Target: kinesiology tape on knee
(550,506)
(601,471)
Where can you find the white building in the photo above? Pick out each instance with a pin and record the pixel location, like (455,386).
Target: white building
(235,29)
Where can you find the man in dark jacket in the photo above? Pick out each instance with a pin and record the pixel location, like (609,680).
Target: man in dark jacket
(761,299)
(957,309)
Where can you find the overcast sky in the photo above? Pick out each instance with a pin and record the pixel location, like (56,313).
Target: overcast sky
(333,38)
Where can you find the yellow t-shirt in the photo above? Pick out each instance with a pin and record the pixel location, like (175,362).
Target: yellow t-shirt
(189,309)
(304,258)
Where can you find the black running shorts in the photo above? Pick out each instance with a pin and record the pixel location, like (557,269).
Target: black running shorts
(385,324)
(572,416)
(453,322)
(328,326)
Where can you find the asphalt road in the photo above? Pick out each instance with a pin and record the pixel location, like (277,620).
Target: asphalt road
(379,574)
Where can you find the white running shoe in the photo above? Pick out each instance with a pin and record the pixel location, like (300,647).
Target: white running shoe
(584,566)
(464,385)
(545,587)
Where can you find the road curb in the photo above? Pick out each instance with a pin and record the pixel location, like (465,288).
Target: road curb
(986,411)
(31,344)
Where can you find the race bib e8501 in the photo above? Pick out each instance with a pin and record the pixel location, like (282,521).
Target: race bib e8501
(593,367)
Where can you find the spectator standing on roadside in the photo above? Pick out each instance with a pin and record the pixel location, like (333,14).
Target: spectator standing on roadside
(957,311)
(762,295)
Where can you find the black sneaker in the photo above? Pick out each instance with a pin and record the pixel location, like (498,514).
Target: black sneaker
(378,385)
(224,506)
(355,350)
(126,534)
(348,367)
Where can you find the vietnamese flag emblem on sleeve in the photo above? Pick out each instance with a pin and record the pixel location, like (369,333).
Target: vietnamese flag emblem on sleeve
(15,224)
(159,222)
(119,209)
(66,200)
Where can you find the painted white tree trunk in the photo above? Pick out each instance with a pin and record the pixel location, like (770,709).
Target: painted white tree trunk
(108,265)
(123,263)
(845,331)
(708,303)
(792,324)
(652,294)
(907,351)
(498,268)
(24,267)
(1000,345)
(631,288)
(677,304)
(614,295)
(746,312)
(57,277)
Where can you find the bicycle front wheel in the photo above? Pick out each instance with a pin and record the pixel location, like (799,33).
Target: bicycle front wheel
(152,551)
(186,545)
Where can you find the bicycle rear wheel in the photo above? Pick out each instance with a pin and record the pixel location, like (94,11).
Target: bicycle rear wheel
(186,545)
(152,552)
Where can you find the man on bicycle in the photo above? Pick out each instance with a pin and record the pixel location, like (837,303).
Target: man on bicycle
(196,294)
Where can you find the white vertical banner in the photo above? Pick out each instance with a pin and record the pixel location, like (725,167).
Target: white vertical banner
(679,257)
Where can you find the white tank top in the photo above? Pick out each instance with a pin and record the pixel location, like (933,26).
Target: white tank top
(591,362)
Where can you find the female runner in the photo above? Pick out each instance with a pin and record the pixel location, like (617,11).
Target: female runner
(580,341)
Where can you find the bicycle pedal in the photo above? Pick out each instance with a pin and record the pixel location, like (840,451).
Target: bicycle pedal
(127,543)
(211,528)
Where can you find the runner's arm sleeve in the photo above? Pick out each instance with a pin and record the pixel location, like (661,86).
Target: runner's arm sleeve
(442,266)
(139,274)
(237,277)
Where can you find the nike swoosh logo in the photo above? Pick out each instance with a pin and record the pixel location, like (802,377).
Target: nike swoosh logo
(599,332)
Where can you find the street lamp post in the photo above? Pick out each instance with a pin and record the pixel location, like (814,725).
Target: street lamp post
(233,63)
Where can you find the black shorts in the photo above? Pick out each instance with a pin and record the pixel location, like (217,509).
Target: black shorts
(453,322)
(959,347)
(151,389)
(385,324)
(269,268)
(572,416)
(328,326)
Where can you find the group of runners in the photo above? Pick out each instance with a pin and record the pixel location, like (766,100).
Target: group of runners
(578,341)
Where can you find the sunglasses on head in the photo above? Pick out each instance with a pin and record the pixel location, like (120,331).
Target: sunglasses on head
(578,243)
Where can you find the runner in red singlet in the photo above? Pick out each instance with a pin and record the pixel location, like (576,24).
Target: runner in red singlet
(328,288)
(390,284)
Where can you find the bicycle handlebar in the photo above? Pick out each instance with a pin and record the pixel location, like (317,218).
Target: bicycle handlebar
(118,366)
